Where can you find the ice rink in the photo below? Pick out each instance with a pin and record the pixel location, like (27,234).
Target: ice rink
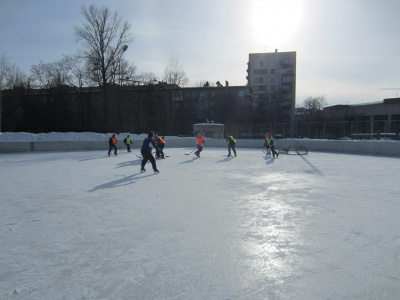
(81,225)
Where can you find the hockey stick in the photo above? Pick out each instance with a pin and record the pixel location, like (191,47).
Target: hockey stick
(163,152)
(266,150)
(191,152)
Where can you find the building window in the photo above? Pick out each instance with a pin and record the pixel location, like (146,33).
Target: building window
(256,64)
(286,61)
(258,72)
(272,71)
(287,71)
(286,79)
(272,63)
(177,96)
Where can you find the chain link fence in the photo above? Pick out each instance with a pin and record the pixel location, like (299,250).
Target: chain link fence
(320,130)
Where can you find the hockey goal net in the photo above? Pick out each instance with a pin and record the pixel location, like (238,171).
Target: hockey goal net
(294,149)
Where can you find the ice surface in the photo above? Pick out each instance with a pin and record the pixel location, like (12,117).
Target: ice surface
(81,225)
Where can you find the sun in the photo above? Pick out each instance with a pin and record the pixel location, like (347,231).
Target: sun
(275,21)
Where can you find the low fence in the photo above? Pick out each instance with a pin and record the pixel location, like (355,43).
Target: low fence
(382,147)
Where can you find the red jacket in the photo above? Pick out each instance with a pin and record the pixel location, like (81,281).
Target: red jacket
(112,140)
(200,140)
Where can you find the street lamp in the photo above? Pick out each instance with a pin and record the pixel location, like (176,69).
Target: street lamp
(122,50)
(170,119)
(138,98)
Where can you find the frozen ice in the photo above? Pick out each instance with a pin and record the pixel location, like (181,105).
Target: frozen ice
(82,225)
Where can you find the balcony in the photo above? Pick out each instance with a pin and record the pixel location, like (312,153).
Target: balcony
(286,63)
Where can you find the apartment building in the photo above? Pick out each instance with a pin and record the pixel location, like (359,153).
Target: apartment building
(272,77)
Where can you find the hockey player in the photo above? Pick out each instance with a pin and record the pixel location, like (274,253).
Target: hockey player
(200,140)
(146,153)
(266,143)
(161,144)
(271,143)
(112,144)
(128,143)
(231,145)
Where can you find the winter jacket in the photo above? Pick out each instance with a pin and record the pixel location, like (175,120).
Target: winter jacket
(160,141)
(112,140)
(231,141)
(200,140)
(266,141)
(271,142)
(127,141)
(146,144)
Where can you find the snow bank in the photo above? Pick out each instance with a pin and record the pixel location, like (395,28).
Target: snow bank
(62,136)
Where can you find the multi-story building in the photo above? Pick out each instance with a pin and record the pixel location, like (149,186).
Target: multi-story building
(367,119)
(272,77)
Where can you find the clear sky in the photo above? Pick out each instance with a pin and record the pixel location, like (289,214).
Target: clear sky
(347,50)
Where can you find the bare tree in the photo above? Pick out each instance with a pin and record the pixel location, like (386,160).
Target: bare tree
(4,70)
(4,65)
(174,72)
(314,105)
(123,70)
(105,37)
(48,75)
(16,78)
(73,67)
(10,75)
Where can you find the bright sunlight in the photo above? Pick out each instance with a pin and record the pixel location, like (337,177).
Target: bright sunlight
(275,21)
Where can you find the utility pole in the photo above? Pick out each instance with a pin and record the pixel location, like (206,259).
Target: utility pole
(122,50)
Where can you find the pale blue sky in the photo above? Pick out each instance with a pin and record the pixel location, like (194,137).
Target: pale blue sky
(346,50)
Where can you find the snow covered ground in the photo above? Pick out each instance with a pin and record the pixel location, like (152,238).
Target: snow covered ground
(81,225)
